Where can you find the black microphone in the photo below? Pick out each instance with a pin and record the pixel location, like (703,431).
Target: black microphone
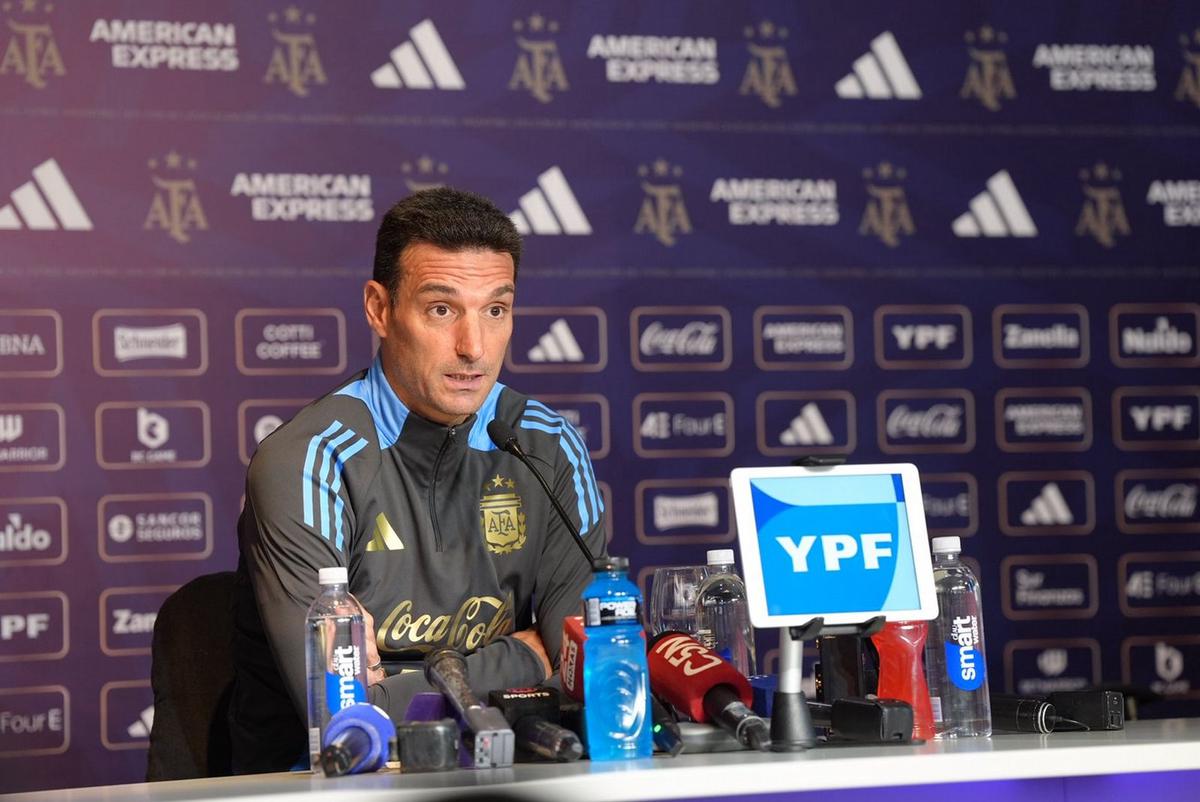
(506,440)
(536,721)
(491,737)
(1016,714)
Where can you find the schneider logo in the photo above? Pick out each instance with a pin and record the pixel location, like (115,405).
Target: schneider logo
(683,511)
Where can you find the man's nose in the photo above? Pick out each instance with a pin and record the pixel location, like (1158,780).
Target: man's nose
(470,339)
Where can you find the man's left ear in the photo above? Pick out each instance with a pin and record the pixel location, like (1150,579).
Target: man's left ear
(376,307)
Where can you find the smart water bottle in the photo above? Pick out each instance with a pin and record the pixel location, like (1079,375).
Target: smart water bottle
(616,681)
(954,656)
(336,656)
(722,614)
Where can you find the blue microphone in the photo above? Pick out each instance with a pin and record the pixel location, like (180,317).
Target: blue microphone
(357,740)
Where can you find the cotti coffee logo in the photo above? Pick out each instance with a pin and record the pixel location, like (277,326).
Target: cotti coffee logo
(153,434)
(675,338)
(539,70)
(35,721)
(1160,584)
(923,337)
(150,342)
(1047,503)
(988,78)
(30,343)
(31,53)
(34,626)
(32,437)
(813,422)
(1040,336)
(1043,667)
(803,337)
(951,502)
(558,339)
(1158,501)
(293,342)
(1042,587)
(150,527)
(683,424)
(1156,418)
(33,531)
(926,421)
(683,511)
(295,62)
(1155,335)
(1044,419)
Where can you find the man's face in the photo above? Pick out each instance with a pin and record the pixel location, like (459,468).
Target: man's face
(443,339)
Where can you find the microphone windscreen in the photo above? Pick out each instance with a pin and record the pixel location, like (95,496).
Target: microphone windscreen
(682,671)
(570,662)
(502,435)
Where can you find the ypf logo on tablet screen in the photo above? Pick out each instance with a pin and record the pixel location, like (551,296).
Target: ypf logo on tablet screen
(846,536)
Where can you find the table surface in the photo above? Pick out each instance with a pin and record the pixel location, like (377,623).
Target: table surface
(1143,746)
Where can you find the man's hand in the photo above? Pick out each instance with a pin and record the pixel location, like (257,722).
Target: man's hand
(533,640)
(375,672)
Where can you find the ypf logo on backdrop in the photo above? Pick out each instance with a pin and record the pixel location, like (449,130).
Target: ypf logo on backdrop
(45,203)
(143,44)
(661,59)
(886,215)
(420,62)
(1169,665)
(663,212)
(1187,90)
(30,343)
(812,422)
(30,53)
(1043,419)
(1159,584)
(1156,418)
(589,414)
(1158,501)
(683,424)
(538,70)
(951,502)
(34,625)
(988,79)
(150,342)
(152,527)
(675,338)
(1097,67)
(683,511)
(779,201)
(308,197)
(1047,503)
(923,337)
(1040,336)
(1043,587)
(32,437)
(1155,335)
(175,207)
(292,342)
(1102,216)
(803,338)
(127,617)
(153,434)
(926,421)
(550,208)
(295,61)
(33,531)
(558,339)
(126,714)
(880,74)
(768,74)
(258,417)
(1041,667)
(35,721)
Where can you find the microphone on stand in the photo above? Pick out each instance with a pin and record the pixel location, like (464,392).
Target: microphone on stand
(492,738)
(357,740)
(535,717)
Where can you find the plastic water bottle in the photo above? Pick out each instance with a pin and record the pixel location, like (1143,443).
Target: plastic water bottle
(336,656)
(616,681)
(722,614)
(954,655)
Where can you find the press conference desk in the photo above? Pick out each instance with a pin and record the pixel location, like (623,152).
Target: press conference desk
(1150,761)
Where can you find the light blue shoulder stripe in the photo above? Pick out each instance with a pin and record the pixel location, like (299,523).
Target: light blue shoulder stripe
(308,479)
(339,505)
(479,439)
(329,456)
(537,409)
(387,410)
(580,494)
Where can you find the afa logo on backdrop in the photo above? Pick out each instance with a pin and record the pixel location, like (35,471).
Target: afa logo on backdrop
(31,52)
(539,69)
(295,61)
(886,215)
(175,208)
(768,74)
(988,78)
(663,212)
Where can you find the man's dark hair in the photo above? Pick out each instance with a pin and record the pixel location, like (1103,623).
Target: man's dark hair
(447,218)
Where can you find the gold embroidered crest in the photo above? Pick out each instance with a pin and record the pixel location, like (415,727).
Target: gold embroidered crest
(500,515)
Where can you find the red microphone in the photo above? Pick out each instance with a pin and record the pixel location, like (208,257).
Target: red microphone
(706,687)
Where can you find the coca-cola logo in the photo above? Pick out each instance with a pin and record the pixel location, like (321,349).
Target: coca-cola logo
(682,651)
(936,422)
(1173,502)
(694,338)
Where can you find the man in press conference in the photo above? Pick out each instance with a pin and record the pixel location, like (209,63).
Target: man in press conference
(447,539)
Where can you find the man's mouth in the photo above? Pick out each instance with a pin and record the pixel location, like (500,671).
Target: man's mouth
(464,378)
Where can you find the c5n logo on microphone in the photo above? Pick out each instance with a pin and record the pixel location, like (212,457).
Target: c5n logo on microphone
(683,652)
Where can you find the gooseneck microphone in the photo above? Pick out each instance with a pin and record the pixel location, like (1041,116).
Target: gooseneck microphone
(506,440)
(491,737)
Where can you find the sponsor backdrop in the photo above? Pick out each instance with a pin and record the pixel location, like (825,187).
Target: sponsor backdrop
(962,235)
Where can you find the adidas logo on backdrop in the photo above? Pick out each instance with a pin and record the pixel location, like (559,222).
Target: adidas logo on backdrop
(557,345)
(998,211)
(807,429)
(32,206)
(550,208)
(880,74)
(1049,507)
(423,62)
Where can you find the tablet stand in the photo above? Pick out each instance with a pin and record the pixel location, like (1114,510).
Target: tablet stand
(791,723)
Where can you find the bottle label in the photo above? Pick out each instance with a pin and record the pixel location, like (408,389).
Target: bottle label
(342,687)
(611,611)
(965,665)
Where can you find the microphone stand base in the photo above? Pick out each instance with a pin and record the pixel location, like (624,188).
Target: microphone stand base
(791,722)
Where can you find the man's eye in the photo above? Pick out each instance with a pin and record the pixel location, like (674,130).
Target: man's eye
(497,311)
(439,310)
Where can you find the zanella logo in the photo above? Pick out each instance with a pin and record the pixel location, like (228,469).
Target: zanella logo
(31,52)
(422,62)
(295,62)
(663,212)
(996,212)
(1040,336)
(151,44)
(880,73)
(550,208)
(47,203)
(1188,88)
(1105,68)
(681,338)
(988,78)
(1102,216)
(539,69)
(176,207)
(768,74)
(683,652)
(887,215)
